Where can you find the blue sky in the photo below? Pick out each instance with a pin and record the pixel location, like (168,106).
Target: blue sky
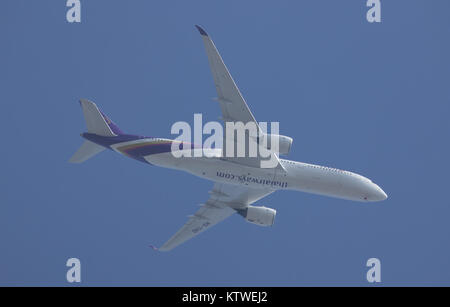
(370,98)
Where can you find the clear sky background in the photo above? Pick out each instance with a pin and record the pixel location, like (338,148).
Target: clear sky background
(370,98)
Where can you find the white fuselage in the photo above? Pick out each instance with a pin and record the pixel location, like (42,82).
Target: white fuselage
(298,176)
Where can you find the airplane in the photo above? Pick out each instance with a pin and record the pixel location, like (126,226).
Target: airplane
(239,182)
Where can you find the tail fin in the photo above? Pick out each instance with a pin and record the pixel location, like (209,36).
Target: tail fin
(96,121)
(86,151)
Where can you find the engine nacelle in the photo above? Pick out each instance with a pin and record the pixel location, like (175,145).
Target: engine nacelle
(261,216)
(284,143)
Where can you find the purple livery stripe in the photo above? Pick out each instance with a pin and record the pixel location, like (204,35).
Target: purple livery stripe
(137,150)
(140,150)
(112,125)
(146,148)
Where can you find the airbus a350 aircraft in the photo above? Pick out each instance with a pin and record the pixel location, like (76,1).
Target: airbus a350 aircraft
(238,182)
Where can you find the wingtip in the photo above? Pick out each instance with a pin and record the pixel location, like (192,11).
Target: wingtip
(154,247)
(160,249)
(200,29)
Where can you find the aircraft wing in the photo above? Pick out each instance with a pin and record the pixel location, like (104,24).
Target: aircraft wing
(234,108)
(224,199)
(232,104)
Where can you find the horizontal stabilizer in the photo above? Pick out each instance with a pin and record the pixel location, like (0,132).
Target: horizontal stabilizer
(86,151)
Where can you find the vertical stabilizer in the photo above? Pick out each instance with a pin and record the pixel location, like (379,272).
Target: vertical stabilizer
(95,121)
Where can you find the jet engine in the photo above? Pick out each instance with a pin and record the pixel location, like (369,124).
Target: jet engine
(261,216)
(284,143)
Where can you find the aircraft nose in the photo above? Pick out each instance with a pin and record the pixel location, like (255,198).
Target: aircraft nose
(377,193)
(382,194)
